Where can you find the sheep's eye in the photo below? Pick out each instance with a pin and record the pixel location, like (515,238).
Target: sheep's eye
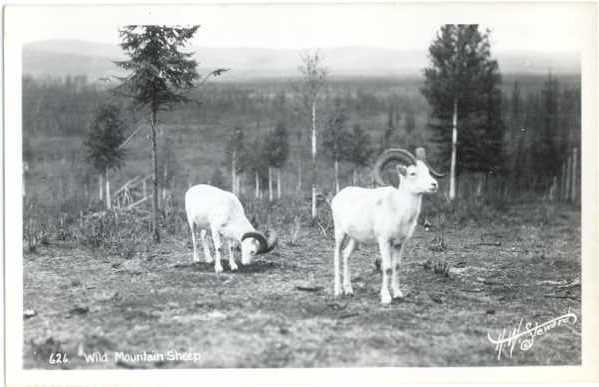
(412,173)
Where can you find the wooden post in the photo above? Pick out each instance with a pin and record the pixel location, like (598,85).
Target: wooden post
(574,177)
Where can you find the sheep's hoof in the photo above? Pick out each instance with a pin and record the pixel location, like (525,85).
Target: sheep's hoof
(196,259)
(348,291)
(233,266)
(337,291)
(397,293)
(218,269)
(385,298)
(208,259)
(377,265)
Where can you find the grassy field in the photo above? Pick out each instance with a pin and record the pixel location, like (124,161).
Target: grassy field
(279,311)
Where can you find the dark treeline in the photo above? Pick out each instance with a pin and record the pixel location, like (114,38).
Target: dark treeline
(542,130)
(541,116)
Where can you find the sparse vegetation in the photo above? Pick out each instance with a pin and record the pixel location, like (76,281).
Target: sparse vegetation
(109,301)
(95,276)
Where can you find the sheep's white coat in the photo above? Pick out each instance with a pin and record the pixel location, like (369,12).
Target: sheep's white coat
(220,212)
(386,216)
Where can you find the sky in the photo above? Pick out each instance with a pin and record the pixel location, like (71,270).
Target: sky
(549,27)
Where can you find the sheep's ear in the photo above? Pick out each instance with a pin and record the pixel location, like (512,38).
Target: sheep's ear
(401,169)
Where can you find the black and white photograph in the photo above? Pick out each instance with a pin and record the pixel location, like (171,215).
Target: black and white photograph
(300,186)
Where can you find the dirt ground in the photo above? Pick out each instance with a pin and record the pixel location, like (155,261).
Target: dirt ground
(279,311)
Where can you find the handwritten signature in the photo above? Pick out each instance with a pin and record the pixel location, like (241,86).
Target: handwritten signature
(526,338)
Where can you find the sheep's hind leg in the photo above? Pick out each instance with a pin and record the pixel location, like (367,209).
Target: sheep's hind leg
(193,240)
(385,248)
(397,254)
(232,263)
(217,250)
(207,256)
(347,288)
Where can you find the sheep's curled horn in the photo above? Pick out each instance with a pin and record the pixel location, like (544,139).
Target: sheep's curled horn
(394,154)
(266,244)
(421,155)
(402,156)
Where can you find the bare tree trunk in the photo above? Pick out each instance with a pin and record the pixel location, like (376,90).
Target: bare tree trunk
(164,182)
(454,141)
(562,195)
(314,214)
(553,189)
(107,181)
(257,181)
(101,186)
(299,174)
(25,168)
(354,178)
(155,230)
(238,179)
(279,191)
(233,168)
(569,178)
(574,167)
(270,196)
(479,184)
(336,176)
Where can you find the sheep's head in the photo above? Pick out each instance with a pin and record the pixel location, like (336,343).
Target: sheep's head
(254,242)
(415,175)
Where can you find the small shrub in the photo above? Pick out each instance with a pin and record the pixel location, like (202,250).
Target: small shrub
(295,230)
(36,224)
(437,267)
(123,233)
(438,243)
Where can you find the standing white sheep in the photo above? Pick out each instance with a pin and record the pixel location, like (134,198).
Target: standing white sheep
(386,216)
(221,212)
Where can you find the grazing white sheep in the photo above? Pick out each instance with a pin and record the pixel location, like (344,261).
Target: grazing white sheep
(386,216)
(221,212)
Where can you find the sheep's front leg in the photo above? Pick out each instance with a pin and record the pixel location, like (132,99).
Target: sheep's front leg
(232,263)
(347,288)
(337,276)
(397,254)
(217,250)
(193,240)
(207,256)
(385,248)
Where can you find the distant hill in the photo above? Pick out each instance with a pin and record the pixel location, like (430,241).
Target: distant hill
(72,57)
